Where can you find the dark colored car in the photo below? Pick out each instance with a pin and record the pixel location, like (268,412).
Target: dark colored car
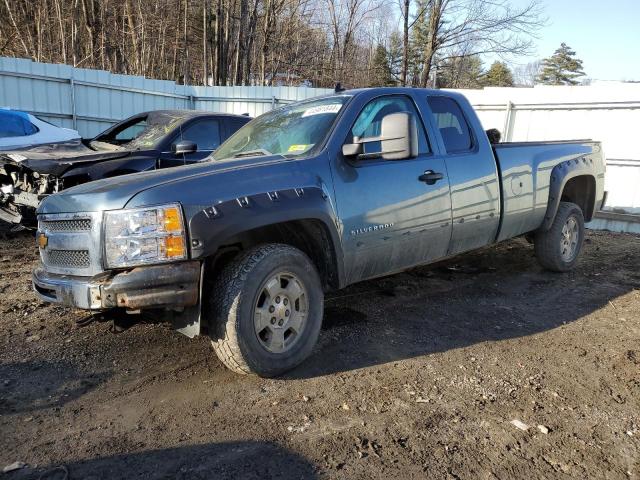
(143,142)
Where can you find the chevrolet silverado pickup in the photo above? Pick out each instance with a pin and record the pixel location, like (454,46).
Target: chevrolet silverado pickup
(304,199)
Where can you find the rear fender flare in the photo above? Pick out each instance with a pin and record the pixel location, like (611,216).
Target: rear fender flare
(560,175)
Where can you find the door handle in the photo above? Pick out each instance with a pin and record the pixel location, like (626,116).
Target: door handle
(430,177)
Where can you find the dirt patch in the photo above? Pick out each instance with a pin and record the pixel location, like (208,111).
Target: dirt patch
(419,375)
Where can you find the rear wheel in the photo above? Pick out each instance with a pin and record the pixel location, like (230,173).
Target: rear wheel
(558,248)
(266,310)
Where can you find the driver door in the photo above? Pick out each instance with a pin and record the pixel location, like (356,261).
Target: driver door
(393,217)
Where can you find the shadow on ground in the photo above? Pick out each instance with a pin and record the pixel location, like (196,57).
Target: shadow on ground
(35,385)
(219,461)
(494,294)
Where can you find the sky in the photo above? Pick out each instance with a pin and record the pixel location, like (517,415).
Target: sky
(605,35)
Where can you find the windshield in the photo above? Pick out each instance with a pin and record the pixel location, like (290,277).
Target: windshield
(152,130)
(142,132)
(291,131)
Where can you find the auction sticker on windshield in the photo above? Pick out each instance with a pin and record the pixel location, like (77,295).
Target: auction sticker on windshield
(298,148)
(321,109)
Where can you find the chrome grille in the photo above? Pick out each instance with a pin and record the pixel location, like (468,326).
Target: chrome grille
(67,258)
(74,225)
(70,243)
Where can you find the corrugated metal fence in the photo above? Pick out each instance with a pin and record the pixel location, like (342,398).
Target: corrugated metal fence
(91,100)
(609,113)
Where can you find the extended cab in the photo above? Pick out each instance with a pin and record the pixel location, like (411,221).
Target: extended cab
(307,198)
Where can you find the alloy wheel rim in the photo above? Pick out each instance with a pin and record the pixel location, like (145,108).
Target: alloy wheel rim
(280,312)
(569,239)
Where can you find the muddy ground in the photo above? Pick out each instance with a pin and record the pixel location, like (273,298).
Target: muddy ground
(418,375)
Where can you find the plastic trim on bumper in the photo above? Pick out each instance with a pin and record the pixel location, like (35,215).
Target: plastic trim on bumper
(172,286)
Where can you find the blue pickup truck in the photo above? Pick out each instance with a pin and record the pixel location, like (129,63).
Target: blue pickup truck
(305,199)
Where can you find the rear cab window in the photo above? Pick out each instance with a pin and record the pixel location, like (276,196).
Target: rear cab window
(452,124)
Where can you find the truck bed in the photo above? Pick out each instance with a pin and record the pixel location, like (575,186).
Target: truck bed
(525,176)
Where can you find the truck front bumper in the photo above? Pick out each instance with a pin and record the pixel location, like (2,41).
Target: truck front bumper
(158,286)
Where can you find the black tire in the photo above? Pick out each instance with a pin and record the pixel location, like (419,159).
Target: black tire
(233,299)
(549,245)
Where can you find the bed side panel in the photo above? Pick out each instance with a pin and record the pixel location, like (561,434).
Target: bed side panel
(526,177)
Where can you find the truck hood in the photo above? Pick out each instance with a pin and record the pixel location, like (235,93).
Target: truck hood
(114,193)
(57,158)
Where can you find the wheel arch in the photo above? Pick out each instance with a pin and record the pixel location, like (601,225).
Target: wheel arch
(302,218)
(571,181)
(309,235)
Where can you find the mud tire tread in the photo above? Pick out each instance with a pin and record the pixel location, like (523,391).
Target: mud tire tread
(224,303)
(546,243)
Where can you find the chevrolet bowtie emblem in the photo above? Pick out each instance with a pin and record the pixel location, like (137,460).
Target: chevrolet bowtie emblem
(42,241)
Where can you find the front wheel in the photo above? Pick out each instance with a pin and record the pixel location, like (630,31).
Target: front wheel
(558,248)
(266,310)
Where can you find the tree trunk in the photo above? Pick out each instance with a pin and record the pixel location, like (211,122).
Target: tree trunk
(265,42)
(431,45)
(176,42)
(242,42)
(246,69)
(185,63)
(405,44)
(134,37)
(205,13)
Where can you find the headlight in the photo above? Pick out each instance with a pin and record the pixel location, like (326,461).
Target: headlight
(144,235)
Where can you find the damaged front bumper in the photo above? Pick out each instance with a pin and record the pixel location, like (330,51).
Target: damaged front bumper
(158,286)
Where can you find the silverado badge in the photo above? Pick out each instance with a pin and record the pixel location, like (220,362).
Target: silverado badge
(372,228)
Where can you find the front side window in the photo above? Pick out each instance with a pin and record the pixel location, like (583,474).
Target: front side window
(454,129)
(204,133)
(369,122)
(291,131)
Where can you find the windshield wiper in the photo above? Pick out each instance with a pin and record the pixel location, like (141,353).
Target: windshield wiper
(260,152)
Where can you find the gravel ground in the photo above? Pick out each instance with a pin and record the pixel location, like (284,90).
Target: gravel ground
(484,366)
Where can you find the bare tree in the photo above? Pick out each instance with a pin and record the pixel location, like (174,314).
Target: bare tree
(242,42)
(525,75)
(480,26)
(346,18)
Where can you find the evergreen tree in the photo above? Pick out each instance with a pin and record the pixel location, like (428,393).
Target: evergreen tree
(562,68)
(418,39)
(394,54)
(498,75)
(460,72)
(424,40)
(381,74)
